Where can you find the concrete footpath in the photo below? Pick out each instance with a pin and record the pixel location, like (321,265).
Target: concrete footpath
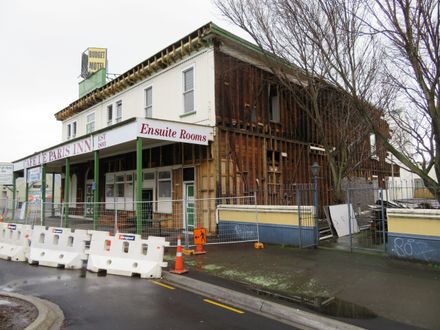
(367,290)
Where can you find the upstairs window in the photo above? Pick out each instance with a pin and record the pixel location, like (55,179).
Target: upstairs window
(274,105)
(71,130)
(373,149)
(149,102)
(109,114)
(90,123)
(188,90)
(118,111)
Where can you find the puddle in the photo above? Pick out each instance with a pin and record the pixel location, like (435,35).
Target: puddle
(13,285)
(4,302)
(341,308)
(329,306)
(83,272)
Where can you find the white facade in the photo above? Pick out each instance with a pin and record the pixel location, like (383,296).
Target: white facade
(406,185)
(167,98)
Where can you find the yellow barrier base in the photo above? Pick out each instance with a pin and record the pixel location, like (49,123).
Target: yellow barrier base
(259,245)
(187,252)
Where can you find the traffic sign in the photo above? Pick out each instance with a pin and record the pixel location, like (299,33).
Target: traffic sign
(200,236)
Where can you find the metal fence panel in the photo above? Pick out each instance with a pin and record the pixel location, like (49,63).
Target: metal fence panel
(367,224)
(166,218)
(305,196)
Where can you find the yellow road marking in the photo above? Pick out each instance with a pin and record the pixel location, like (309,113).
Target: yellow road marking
(223,306)
(164,285)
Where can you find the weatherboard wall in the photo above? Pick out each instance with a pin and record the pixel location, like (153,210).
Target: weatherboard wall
(167,86)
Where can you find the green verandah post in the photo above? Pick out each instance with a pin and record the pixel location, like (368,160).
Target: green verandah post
(139,186)
(66,194)
(53,195)
(96,190)
(14,194)
(26,195)
(43,194)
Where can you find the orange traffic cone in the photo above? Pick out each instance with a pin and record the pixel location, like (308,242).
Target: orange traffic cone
(199,249)
(178,269)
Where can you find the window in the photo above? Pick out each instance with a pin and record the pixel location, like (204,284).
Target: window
(148,176)
(274,107)
(164,196)
(109,114)
(188,174)
(71,130)
(118,111)
(149,102)
(109,186)
(90,125)
(188,90)
(120,183)
(373,146)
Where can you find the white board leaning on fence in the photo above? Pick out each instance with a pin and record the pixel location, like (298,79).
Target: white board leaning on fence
(340,220)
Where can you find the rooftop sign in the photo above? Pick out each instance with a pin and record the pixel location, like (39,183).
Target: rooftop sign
(93,60)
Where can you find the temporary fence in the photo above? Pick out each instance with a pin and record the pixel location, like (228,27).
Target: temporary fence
(6,209)
(225,219)
(366,213)
(165,218)
(414,195)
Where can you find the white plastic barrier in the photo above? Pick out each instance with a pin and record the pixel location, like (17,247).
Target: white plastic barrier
(55,247)
(127,254)
(14,241)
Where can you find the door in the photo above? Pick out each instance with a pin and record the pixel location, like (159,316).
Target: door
(89,199)
(189,211)
(147,206)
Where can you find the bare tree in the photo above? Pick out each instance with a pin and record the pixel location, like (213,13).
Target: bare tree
(321,50)
(410,37)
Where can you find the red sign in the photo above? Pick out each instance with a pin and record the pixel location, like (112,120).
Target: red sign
(173,131)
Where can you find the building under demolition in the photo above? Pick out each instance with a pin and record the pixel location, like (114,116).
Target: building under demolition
(202,119)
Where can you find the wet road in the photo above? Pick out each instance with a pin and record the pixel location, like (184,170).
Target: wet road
(115,302)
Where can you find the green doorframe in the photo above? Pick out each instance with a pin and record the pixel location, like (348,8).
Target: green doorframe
(139,179)
(66,194)
(43,194)
(96,190)
(14,194)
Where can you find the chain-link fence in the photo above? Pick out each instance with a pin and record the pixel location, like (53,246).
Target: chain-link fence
(226,219)
(166,218)
(366,227)
(414,195)
(9,209)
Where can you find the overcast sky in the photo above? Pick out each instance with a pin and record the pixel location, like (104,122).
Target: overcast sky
(40,58)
